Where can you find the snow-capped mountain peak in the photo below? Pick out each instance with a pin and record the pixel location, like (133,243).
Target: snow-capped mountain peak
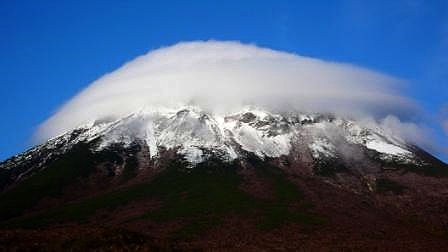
(192,132)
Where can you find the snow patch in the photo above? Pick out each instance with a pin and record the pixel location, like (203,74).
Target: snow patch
(195,133)
(322,148)
(387,148)
(258,142)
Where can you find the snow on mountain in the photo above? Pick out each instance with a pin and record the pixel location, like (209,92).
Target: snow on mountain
(192,132)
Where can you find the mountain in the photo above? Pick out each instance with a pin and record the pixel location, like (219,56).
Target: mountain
(188,178)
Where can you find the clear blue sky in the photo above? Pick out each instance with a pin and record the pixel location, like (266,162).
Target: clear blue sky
(50,50)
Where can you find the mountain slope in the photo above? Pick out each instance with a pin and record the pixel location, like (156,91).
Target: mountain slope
(194,133)
(186,179)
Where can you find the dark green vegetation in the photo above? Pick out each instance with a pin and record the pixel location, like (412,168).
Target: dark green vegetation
(431,166)
(5,177)
(80,202)
(130,168)
(47,183)
(329,168)
(288,205)
(433,170)
(74,166)
(386,185)
(200,198)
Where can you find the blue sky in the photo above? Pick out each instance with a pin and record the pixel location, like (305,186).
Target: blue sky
(50,50)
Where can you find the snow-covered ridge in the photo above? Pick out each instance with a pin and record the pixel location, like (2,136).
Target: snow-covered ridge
(191,131)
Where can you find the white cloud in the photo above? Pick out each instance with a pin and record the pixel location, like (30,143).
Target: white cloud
(226,75)
(412,132)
